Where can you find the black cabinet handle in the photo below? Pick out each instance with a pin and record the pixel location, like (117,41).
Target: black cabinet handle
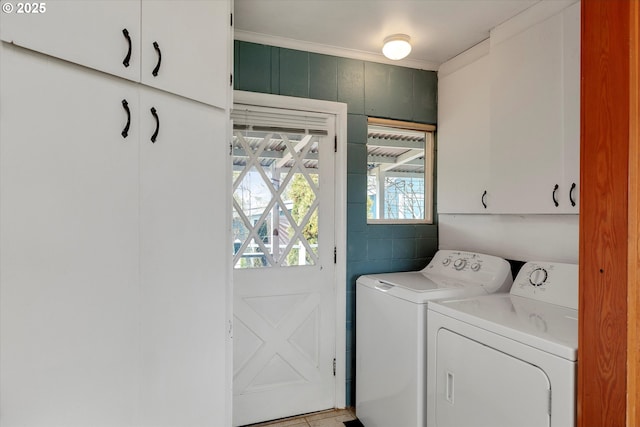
(484,203)
(555,201)
(128,57)
(155,70)
(571,199)
(125,131)
(154,113)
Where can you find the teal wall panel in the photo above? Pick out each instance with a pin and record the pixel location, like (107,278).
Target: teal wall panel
(253,67)
(275,71)
(425,96)
(376,90)
(368,88)
(356,187)
(294,73)
(323,77)
(357,129)
(351,84)
(401,92)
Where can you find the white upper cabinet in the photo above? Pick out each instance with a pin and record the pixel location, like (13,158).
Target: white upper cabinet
(100,34)
(463,136)
(569,199)
(182,47)
(527,119)
(509,121)
(186,48)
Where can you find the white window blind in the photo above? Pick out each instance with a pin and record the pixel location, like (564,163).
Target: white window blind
(250,117)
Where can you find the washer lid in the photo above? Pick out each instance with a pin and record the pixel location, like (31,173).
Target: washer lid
(418,287)
(415,281)
(548,327)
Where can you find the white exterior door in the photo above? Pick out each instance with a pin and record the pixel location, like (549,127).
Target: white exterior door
(284,267)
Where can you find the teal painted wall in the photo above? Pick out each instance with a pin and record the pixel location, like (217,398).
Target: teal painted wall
(369,89)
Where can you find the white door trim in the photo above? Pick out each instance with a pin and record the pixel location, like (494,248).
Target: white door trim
(339,110)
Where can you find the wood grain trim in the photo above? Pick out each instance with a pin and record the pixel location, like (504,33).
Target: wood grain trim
(633,296)
(400,124)
(604,214)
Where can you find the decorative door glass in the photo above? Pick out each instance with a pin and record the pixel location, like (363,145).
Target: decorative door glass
(275,197)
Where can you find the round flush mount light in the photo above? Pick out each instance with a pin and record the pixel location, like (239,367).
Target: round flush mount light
(397,46)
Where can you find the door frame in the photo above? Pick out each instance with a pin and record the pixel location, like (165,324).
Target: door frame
(339,111)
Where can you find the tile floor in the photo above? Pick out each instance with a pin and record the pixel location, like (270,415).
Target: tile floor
(329,418)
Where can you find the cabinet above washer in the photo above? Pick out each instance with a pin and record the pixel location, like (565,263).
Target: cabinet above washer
(509,119)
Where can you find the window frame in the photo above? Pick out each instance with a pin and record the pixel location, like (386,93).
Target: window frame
(429,168)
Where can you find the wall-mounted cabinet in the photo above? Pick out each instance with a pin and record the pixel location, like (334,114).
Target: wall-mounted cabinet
(518,136)
(463,138)
(164,44)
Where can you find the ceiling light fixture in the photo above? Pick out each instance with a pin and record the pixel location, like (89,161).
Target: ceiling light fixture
(397,46)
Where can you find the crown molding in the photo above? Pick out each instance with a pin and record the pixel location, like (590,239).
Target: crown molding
(529,17)
(248,36)
(465,58)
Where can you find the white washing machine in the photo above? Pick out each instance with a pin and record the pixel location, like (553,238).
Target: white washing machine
(506,360)
(391,314)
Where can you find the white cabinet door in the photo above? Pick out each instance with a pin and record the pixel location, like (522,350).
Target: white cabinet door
(69,295)
(184,261)
(114,267)
(464,140)
(183,47)
(569,197)
(527,134)
(186,48)
(89,33)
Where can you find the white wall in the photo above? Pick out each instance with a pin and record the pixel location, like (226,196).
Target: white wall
(516,237)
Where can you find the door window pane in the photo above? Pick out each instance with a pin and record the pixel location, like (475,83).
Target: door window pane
(275,198)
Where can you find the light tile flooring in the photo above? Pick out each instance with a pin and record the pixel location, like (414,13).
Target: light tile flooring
(330,418)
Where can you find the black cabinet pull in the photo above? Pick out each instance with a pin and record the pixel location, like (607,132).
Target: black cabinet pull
(125,131)
(555,201)
(571,199)
(128,57)
(154,113)
(155,70)
(483,199)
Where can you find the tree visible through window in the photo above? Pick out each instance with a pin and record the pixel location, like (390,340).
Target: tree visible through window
(400,172)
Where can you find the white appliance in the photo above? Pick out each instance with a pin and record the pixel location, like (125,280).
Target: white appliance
(391,314)
(506,360)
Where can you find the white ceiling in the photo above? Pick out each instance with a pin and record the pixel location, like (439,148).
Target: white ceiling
(439,29)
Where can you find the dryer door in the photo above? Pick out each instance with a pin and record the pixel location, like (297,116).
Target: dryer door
(480,386)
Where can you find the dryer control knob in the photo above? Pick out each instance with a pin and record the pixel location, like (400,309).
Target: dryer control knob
(538,276)
(446,261)
(475,267)
(459,264)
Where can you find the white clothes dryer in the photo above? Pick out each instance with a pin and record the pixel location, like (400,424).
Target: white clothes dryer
(391,315)
(506,360)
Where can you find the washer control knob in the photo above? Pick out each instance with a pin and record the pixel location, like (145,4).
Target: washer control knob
(475,266)
(538,276)
(446,261)
(459,263)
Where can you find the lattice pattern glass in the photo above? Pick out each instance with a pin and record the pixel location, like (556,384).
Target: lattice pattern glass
(275,199)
